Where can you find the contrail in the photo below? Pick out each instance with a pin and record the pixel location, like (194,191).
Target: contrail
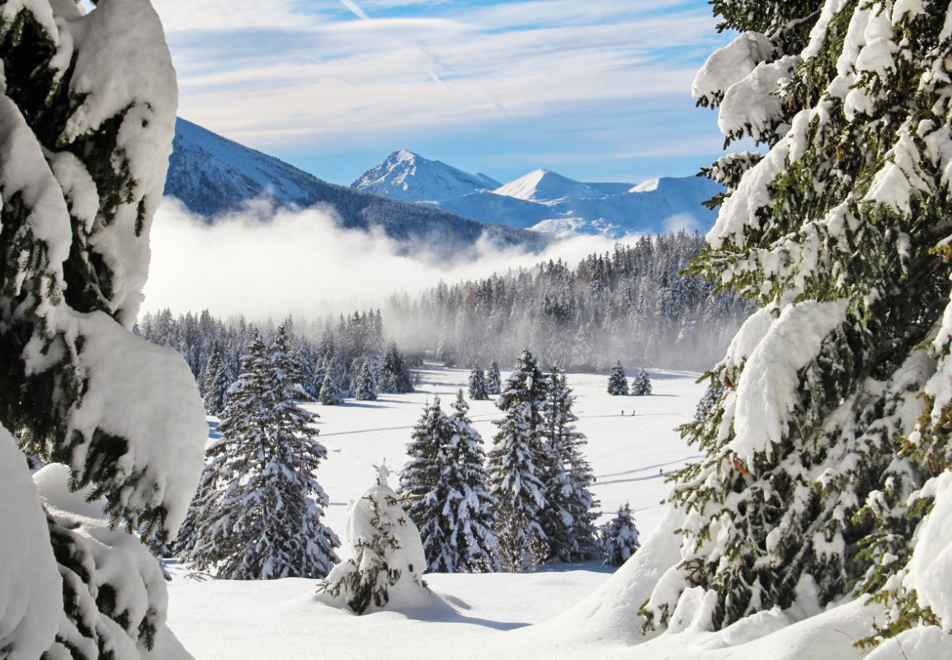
(351,5)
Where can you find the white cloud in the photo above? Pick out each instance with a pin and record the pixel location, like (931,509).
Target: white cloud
(302,263)
(275,75)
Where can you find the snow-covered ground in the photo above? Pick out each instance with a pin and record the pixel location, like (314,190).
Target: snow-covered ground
(569,611)
(279,619)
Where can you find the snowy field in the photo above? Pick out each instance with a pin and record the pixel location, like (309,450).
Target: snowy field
(279,619)
(576,611)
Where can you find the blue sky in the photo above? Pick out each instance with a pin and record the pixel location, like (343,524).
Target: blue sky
(598,90)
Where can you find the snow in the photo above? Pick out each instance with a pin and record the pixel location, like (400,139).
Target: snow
(752,101)
(166,438)
(898,180)
(116,72)
(731,64)
(118,560)
(930,569)
(767,392)
(563,611)
(31,592)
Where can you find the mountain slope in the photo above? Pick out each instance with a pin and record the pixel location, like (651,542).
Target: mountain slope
(551,203)
(212,175)
(408,176)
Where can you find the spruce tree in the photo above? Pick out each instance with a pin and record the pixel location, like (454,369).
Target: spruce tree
(518,461)
(87,130)
(424,488)
(617,381)
(478,390)
(330,389)
(217,382)
(384,556)
(823,453)
(619,537)
(493,379)
(258,513)
(568,517)
(366,383)
(472,533)
(641,384)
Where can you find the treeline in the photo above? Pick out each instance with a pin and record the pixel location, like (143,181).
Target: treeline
(329,359)
(630,304)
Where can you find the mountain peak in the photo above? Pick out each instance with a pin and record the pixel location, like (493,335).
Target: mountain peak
(411,177)
(547,186)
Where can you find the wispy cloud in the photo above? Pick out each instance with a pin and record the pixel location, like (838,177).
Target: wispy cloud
(285,73)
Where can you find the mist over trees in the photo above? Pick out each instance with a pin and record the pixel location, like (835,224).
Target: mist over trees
(631,304)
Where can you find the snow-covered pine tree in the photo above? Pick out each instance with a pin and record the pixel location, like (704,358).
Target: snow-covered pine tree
(87,129)
(331,394)
(568,517)
(423,487)
(478,390)
(619,537)
(383,558)
(493,379)
(473,534)
(617,381)
(217,381)
(258,512)
(517,463)
(366,383)
(840,232)
(641,384)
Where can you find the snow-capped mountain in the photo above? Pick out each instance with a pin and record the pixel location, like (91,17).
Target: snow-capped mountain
(212,175)
(545,186)
(408,176)
(554,204)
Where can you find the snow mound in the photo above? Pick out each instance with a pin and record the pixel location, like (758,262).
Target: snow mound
(31,592)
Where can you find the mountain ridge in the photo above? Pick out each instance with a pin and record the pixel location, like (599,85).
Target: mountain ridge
(213,176)
(548,202)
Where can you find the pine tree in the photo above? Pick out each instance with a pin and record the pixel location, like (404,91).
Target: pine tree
(619,537)
(217,382)
(385,553)
(839,232)
(518,462)
(424,488)
(477,384)
(258,515)
(84,165)
(641,384)
(617,381)
(330,389)
(474,538)
(493,379)
(366,383)
(568,517)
